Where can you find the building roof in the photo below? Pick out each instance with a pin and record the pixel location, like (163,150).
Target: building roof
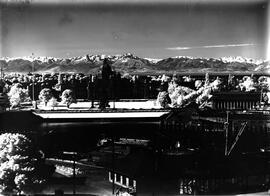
(108,114)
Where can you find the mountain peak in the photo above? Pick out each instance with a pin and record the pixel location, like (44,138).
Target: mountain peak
(132,64)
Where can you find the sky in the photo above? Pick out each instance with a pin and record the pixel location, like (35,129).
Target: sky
(153,28)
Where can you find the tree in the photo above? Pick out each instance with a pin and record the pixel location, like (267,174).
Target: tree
(17,95)
(4,102)
(264,83)
(248,84)
(22,168)
(198,84)
(52,102)
(206,80)
(163,99)
(176,93)
(68,97)
(45,95)
(231,82)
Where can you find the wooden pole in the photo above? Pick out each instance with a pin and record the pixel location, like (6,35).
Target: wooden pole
(113,169)
(74,175)
(226,133)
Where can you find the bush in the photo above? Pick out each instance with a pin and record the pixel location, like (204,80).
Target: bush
(45,95)
(163,99)
(177,93)
(17,95)
(52,102)
(22,168)
(68,97)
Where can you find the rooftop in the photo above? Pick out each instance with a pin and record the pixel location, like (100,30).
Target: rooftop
(119,109)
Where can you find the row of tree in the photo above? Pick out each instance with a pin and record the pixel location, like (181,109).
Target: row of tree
(179,96)
(174,93)
(18,95)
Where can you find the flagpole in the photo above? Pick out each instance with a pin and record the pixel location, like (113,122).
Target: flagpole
(33,83)
(33,80)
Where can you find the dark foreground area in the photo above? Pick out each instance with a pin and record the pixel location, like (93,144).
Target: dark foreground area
(154,158)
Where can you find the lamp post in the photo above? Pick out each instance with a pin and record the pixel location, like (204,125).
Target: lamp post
(113,166)
(74,167)
(92,87)
(33,80)
(226,124)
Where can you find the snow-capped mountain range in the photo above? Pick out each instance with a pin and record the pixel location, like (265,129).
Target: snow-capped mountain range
(130,63)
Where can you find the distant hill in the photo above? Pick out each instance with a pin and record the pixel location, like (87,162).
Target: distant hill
(128,63)
(263,67)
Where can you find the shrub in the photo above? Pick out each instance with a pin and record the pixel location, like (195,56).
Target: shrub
(248,84)
(163,99)
(17,95)
(45,95)
(68,97)
(52,102)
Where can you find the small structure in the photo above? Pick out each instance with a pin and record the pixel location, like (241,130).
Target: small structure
(235,100)
(145,172)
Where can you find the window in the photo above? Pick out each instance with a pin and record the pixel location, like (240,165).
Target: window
(118,178)
(124,182)
(110,176)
